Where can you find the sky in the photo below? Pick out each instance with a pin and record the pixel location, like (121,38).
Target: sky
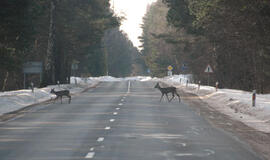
(133,10)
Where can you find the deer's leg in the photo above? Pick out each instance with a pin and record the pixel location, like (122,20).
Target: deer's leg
(161,97)
(55,99)
(178,96)
(172,97)
(167,97)
(69,98)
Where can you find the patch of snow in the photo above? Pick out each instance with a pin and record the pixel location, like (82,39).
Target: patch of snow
(14,100)
(234,103)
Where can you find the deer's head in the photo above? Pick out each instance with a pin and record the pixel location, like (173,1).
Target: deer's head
(52,90)
(157,85)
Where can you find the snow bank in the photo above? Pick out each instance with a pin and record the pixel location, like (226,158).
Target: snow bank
(234,103)
(15,100)
(113,79)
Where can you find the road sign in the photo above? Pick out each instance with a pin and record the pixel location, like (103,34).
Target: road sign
(32,67)
(170,68)
(208,69)
(184,67)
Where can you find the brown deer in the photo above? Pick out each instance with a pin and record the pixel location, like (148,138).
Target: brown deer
(60,94)
(166,91)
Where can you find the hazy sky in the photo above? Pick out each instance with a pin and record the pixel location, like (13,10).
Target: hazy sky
(134,11)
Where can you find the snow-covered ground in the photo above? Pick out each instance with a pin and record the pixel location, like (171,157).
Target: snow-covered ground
(234,103)
(15,100)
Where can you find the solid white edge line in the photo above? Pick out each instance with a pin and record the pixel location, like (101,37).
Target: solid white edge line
(90,155)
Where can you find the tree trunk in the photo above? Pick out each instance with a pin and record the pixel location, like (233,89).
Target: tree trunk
(49,77)
(5,82)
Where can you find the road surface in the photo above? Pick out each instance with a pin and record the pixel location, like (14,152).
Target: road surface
(117,121)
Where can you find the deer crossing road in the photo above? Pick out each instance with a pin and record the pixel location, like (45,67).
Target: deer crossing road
(96,126)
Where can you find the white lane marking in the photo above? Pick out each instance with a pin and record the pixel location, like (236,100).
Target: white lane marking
(90,155)
(183,144)
(112,120)
(209,152)
(100,139)
(122,100)
(124,97)
(92,149)
(120,104)
(128,91)
(107,128)
(115,113)
(117,108)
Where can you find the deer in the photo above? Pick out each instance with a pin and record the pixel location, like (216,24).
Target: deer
(60,94)
(166,91)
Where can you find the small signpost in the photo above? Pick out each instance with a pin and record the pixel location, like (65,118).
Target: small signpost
(31,68)
(170,68)
(74,68)
(208,70)
(184,67)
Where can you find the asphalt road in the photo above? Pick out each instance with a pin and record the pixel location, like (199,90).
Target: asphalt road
(117,121)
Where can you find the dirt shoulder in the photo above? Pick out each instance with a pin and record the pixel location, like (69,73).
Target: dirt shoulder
(258,141)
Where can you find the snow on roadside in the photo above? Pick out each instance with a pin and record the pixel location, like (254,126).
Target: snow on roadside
(234,103)
(14,100)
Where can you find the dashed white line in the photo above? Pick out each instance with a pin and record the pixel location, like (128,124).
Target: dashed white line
(92,149)
(112,120)
(117,108)
(107,128)
(122,100)
(115,113)
(120,104)
(90,155)
(100,139)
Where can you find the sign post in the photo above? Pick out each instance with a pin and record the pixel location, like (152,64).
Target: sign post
(170,68)
(31,68)
(74,68)
(208,70)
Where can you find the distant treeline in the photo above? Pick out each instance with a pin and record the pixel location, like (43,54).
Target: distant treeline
(58,33)
(233,36)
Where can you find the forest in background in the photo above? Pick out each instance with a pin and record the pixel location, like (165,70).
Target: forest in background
(59,33)
(233,36)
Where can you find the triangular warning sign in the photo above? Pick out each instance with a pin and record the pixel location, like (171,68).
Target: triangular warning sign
(208,69)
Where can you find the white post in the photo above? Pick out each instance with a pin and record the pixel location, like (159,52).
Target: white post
(199,85)
(217,86)
(58,83)
(32,87)
(254,98)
